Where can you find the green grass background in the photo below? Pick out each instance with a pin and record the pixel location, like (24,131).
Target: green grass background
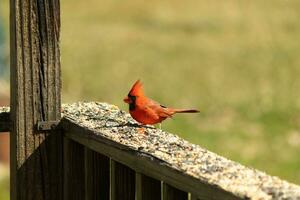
(237,61)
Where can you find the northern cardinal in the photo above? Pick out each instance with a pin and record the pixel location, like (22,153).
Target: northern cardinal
(146,110)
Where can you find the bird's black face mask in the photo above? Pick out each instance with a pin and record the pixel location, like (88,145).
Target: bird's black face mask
(132,102)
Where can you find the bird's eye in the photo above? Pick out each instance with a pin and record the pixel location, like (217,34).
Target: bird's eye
(131,97)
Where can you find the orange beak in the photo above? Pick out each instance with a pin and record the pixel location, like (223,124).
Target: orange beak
(126,100)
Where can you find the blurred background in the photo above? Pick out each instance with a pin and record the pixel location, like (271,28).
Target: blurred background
(237,61)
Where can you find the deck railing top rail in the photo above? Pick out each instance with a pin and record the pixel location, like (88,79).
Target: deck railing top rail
(165,156)
(107,123)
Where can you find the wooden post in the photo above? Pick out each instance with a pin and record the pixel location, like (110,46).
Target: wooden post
(36,157)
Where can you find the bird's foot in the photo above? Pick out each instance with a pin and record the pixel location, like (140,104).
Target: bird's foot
(142,131)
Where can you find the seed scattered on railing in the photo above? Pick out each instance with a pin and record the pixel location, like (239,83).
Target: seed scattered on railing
(114,124)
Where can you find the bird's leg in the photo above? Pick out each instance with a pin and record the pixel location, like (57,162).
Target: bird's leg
(160,126)
(141,130)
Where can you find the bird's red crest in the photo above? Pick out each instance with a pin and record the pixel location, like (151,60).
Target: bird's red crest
(137,89)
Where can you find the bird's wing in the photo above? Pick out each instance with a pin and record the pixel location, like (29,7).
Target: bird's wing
(158,109)
(149,112)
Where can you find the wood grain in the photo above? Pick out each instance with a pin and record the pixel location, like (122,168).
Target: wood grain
(122,182)
(96,175)
(150,188)
(36,159)
(142,163)
(74,170)
(171,193)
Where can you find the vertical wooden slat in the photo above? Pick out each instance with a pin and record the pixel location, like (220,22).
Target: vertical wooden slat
(96,176)
(122,182)
(74,168)
(147,187)
(112,180)
(36,157)
(171,193)
(138,186)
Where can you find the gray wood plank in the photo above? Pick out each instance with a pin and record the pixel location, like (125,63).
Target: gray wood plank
(36,158)
(96,175)
(74,170)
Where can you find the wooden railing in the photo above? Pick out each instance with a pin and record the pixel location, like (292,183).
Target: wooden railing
(96,151)
(107,157)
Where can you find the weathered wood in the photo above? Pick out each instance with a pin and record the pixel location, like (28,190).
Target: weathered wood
(47,125)
(122,182)
(4,119)
(194,197)
(171,193)
(112,181)
(143,163)
(164,156)
(138,186)
(36,160)
(96,176)
(74,170)
(148,187)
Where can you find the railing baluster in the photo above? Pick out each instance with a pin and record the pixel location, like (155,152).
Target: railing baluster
(112,180)
(138,186)
(171,193)
(73,170)
(150,188)
(96,175)
(122,182)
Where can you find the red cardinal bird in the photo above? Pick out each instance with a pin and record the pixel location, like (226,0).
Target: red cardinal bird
(147,111)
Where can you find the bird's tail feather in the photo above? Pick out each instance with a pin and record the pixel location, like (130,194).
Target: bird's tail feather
(186,111)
